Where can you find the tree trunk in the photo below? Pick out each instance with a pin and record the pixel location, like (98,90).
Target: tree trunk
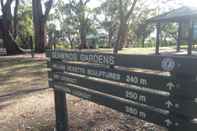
(122,33)
(54,45)
(83,24)
(83,37)
(10,45)
(121,37)
(6,28)
(40,37)
(8,42)
(39,26)
(125,42)
(15,23)
(39,20)
(109,40)
(110,35)
(143,40)
(70,41)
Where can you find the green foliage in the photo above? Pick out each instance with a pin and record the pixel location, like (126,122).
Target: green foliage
(62,45)
(109,11)
(25,25)
(138,30)
(169,31)
(75,18)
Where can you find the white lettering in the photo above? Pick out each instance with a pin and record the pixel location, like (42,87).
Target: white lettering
(74,69)
(142,98)
(67,79)
(103,74)
(99,59)
(135,112)
(65,56)
(135,96)
(131,95)
(131,110)
(132,79)
(143,82)
(58,66)
(136,80)
(142,115)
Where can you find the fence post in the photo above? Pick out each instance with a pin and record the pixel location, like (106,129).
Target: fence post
(61,111)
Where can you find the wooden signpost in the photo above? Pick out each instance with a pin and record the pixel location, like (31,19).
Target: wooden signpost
(157,89)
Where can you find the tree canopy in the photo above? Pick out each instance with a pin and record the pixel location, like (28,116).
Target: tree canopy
(120,23)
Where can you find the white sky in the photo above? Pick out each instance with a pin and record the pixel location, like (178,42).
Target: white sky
(178,3)
(96,3)
(190,2)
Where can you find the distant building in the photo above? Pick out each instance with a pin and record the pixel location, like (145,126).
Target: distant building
(186,17)
(96,40)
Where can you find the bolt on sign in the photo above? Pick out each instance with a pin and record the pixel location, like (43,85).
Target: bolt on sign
(158,89)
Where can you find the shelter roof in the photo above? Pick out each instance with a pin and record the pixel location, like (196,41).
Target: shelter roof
(176,15)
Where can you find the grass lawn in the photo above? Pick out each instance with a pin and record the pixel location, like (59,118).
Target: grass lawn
(17,74)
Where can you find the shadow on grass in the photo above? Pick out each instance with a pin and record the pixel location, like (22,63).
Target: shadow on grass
(20,93)
(13,65)
(2,106)
(26,64)
(20,67)
(37,67)
(16,61)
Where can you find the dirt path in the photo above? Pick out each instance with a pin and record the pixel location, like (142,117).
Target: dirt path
(31,112)
(26,103)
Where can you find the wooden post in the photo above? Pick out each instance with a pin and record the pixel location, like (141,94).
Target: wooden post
(61,111)
(190,38)
(158,26)
(179,38)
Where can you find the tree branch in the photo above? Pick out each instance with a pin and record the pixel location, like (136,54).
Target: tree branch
(48,6)
(121,13)
(2,4)
(131,9)
(174,35)
(86,2)
(6,11)
(7,4)
(15,18)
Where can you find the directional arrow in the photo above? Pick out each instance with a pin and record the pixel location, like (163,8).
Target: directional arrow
(168,122)
(50,79)
(177,106)
(169,104)
(176,124)
(49,59)
(170,85)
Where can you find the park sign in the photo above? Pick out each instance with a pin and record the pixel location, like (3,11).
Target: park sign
(157,89)
(179,64)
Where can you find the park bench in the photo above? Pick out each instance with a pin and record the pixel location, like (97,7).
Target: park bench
(158,89)
(3,52)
